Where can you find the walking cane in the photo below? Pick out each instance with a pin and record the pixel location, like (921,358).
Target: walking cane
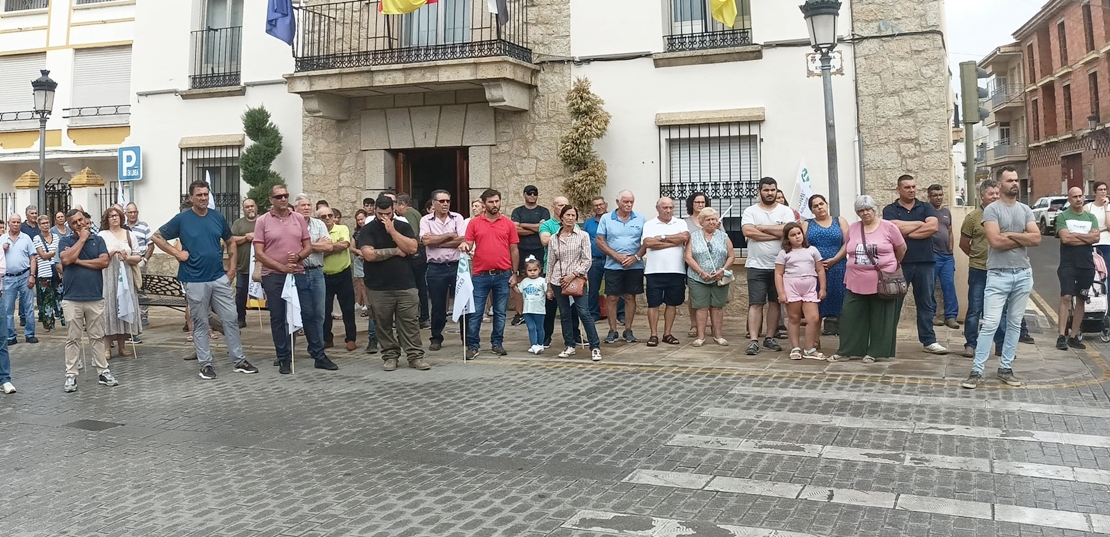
(292,354)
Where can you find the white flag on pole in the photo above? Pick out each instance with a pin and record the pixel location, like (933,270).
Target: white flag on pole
(211,194)
(254,288)
(292,304)
(804,189)
(124,198)
(464,290)
(125,307)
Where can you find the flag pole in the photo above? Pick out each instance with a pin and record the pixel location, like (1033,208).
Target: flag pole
(292,354)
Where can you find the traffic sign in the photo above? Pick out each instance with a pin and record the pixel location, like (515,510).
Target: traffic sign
(130,163)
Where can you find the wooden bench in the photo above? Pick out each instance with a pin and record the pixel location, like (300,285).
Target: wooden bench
(163,291)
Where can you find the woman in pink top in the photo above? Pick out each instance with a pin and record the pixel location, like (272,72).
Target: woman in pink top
(873,330)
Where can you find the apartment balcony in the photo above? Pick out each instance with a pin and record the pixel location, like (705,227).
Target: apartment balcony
(1007,152)
(217,58)
(1007,97)
(349,49)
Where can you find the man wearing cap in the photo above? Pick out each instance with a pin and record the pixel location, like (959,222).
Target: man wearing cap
(528,218)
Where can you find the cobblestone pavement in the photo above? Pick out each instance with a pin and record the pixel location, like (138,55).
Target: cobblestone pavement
(541,448)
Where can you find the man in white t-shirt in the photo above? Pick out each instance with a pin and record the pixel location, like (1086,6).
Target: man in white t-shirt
(664,242)
(762,227)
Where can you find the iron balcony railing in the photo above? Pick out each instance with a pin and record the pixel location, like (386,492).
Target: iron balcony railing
(25,5)
(83,2)
(342,35)
(217,56)
(1005,94)
(115,114)
(1011,147)
(692,27)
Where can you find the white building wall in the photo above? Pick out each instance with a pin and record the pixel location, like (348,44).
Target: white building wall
(635,91)
(160,117)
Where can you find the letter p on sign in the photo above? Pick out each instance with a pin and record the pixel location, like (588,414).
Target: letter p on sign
(130,163)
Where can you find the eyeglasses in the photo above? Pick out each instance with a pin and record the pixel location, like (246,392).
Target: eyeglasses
(327,216)
(280,197)
(443,201)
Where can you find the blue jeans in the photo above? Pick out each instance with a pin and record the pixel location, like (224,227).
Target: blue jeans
(312,311)
(976,284)
(1007,289)
(946,273)
(370,332)
(273,285)
(483,284)
(16,287)
(570,323)
(922,277)
(593,278)
(441,279)
(534,322)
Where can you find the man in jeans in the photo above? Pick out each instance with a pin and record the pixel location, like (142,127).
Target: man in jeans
(492,238)
(597,268)
(338,283)
(200,269)
(918,223)
(84,256)
(312,313)
(386,246)
(242,232)
(945,267)
(19,280)
(973,242)
(442,232)
(1010,230)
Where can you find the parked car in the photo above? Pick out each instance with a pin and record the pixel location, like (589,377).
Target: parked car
(1045,211)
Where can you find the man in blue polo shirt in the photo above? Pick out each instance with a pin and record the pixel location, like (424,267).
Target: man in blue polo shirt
(918,222)
(597,268)
(201,271)
(618,237)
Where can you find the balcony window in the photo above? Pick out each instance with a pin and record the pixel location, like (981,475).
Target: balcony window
(217,48)
(1036,120)
(16,99)
(25,5)
(1092,85)
(101,86)
(219,166)
(691,27)
(353,33)
(1063,40)
(1067,108)
(721,160)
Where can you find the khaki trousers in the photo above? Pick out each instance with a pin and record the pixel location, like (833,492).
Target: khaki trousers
(84,317)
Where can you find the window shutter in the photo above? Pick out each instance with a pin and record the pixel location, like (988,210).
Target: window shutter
(715,159)
(101,77)
(15,85)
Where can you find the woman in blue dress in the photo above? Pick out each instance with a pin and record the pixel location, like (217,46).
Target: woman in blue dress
(830,236)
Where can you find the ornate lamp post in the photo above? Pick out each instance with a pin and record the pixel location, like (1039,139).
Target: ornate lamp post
(821,17)
(44,88)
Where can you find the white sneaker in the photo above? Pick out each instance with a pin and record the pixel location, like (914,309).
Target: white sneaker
(539,349)
(595,355)
(935,348)
(7,387)
(567,352)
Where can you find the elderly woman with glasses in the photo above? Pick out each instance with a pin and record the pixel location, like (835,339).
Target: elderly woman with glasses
(873,331)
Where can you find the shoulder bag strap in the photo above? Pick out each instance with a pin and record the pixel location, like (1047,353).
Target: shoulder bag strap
(874,261)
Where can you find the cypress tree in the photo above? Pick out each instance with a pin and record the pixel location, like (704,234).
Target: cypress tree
(589,122)
(255,161)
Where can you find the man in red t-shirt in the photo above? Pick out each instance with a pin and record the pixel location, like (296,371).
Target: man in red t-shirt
(492,239)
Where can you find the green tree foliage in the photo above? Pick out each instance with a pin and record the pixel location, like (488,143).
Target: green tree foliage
(589,122)
(256,160)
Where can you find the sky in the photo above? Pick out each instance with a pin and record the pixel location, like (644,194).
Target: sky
(976,27)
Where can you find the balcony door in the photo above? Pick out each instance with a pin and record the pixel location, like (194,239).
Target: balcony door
(223,25)
(442,23)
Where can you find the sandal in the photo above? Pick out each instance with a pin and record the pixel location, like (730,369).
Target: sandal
(795,353)
(365,313)
(693,332)
(653,341)
(838,358)
(698,342)
(671,340)
(868,360)
(814,355)
(721,341)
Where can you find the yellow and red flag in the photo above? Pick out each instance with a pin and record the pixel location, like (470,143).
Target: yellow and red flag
(400,7)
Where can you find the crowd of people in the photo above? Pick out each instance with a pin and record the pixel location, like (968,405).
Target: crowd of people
(399,267)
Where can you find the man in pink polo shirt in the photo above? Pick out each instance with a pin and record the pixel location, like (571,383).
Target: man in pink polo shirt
(281,243)
(493,240)
(442,233)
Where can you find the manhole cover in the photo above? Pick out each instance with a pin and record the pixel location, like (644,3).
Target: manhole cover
(92,425)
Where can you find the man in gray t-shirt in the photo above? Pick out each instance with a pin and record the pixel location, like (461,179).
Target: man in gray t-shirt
(1010,230)
(945,267)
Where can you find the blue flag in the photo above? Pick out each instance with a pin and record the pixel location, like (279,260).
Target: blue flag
(280,21)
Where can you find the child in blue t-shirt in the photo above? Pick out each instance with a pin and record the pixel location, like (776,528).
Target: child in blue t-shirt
(534,290)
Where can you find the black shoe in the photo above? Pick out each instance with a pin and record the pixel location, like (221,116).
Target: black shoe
(1074,343)
(1026,338)
(245,367)
(134,339)
(612,337)
(517,319)
(277,362)
(372,347)
(242,323)
(771,344)
(207,373)
(22,322)
(327,364)
(1062,343)
(500,351)
(12,341)
(285,368)
(32,339)
(973,381)
(471,354)
(435,346)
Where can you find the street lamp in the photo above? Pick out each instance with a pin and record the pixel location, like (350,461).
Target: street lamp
(821,17)
(43,87)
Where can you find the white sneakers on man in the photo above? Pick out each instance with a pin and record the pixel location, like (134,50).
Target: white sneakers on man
(936,348)
(7,387)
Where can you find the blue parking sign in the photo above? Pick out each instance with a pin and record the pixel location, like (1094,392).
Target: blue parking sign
(130,163)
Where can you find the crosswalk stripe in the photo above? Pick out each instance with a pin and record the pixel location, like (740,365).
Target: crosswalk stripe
(648,526)
(907,502)
(904,458)
(919,428)
(916,400)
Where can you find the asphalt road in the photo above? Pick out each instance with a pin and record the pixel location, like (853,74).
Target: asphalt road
(1045,259)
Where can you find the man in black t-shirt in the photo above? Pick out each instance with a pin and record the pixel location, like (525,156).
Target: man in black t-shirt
(528,218)
(386,245)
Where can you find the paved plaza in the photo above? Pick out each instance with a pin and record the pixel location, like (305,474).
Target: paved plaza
(651,442)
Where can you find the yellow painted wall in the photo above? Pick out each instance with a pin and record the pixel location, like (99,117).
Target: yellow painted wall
(99,135)
(27,139)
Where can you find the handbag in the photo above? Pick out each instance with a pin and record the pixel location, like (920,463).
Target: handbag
(576,287)
(136,271)
(893,284)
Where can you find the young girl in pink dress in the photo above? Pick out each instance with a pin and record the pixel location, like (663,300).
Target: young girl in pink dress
(800,280)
